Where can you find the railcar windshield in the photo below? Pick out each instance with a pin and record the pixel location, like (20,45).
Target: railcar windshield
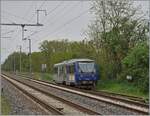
(86,67)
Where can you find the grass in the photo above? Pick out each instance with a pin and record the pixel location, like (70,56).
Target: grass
(121,87)
(107,85)
(5,106)
(43,76)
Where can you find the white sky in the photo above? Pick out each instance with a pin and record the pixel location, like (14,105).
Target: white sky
(58,24)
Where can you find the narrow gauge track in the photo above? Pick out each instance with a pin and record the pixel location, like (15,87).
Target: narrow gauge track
(138,107)
(118,96)
(76,106)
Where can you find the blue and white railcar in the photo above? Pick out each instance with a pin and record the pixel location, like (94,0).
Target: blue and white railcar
(78,72)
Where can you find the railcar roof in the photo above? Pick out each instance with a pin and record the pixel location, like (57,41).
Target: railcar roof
(79,60)
(58,64)
(72,61)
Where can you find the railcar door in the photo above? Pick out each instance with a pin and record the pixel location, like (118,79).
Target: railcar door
(60,74)
(55,74)
(71,76)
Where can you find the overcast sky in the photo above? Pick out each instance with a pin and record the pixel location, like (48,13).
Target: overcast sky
(65,19)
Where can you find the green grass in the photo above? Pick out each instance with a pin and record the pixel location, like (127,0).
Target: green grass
(107,85)
(5,106)
(121,87)
(43,76)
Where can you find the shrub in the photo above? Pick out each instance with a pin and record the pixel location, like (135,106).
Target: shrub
(136,64)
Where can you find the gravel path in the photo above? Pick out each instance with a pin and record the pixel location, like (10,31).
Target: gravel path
(20,104)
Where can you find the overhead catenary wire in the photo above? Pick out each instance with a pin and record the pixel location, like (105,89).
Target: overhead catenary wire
(66,23)
(28,11)
(18,17)
(15,30)
(42,4)
(14,15)
(34,32)
(62,14)
(9,20)
(51,11)
(57,10)
(47,14)
(8,32)
(59,27)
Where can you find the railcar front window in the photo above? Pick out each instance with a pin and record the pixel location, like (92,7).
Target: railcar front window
(86,67)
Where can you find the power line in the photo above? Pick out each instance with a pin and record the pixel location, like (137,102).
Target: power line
(16,16)
(38,8)
(55,8)
(32,34)
(57,12)
(28,11)
(19,16)
(9,20)
(68,22)
(8,32)
(63,14)
(35,14)
(51,11)
(71,20)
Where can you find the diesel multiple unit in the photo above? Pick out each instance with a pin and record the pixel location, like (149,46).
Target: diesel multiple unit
(77,72)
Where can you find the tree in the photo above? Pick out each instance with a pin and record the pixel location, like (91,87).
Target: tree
(13,61)
(136,64)
(37,61)
(115,30)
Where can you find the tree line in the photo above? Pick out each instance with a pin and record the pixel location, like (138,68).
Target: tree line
(117,39)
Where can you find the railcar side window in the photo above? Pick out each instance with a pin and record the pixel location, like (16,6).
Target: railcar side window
(71,69)
(61,69)
(55,70)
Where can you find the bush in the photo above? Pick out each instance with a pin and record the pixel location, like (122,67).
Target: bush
(136,64)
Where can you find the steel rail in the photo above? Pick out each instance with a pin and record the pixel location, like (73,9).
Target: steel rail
(114,98)
(76,106)
(118,96)
(48,107)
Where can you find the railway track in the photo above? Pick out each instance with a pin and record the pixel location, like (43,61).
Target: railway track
(46,106)
(52,109)
(99,92)
(129,104)
(122,97)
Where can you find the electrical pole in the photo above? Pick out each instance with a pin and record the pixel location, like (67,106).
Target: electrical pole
(23,25)
(22,31)
(30,60)
(20,47)
(14,64)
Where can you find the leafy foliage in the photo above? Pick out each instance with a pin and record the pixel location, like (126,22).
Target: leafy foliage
(136,65)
